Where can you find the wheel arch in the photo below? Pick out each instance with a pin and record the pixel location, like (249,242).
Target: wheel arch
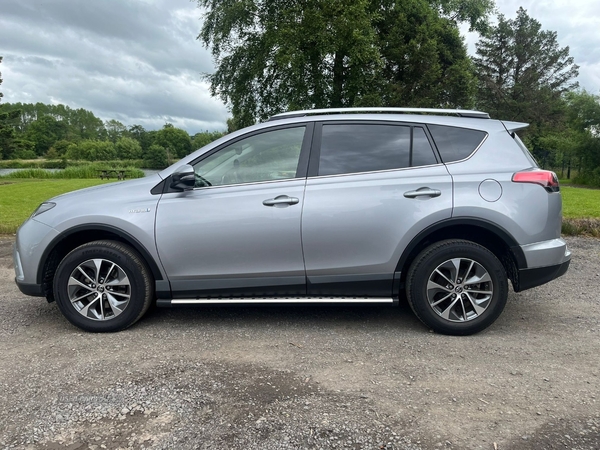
(488,234)
(76,236)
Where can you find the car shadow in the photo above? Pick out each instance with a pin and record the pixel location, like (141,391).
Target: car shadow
(287,315)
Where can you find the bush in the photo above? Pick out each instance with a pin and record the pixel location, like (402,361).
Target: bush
(63,163)
(59,149)
(128,148)
(175,140)
(579,227)
(25,154)
(39,164)
(156,157)
(21,149)
(92,150)
(82,171)
(588,178)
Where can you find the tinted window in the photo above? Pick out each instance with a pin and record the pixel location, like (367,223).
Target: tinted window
(453,143)
(365,148)
(272,155)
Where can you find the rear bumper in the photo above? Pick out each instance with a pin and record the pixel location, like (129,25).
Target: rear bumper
(544,261)
(529,278)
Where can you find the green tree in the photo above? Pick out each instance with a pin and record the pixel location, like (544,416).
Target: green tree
(7,129)
(156,157)
(59,149)
(44,132)
(104,151)
(522,71)
(114,130)
(583,116)
(128,148)
(85,125)
(206,137)
(92,150)
(79,123)
(522,76)
(80,150)
(425,61)
(275,56)
(20,148)
(140,134)
(175,141)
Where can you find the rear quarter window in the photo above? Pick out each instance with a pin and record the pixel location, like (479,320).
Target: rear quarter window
(455,143)
(525,150)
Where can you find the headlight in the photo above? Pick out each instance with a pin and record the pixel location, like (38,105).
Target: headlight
(43,208)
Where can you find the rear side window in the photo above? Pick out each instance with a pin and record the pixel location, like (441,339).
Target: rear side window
(366,148)
(454,143)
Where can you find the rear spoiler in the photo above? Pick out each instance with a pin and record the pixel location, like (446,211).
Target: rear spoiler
(514,126)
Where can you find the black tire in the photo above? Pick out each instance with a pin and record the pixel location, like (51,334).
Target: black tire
(133,292)
(475,304)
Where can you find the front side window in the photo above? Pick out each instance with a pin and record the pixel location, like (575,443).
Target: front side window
(272,155)
(371,147)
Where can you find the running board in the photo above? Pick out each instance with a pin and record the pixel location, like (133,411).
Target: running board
(272,300)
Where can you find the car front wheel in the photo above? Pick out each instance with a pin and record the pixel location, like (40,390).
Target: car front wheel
(103,286)
(457,287)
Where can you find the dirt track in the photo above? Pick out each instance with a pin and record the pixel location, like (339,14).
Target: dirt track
(281,377)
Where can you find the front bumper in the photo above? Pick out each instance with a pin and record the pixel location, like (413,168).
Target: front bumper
(35,290)
(32,239)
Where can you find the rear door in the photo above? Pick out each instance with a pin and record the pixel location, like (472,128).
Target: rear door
(372,187)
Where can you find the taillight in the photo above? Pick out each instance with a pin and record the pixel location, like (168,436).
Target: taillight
(544,178)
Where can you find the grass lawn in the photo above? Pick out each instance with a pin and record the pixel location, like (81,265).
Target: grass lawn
(20,197)
(580,202)
(581,211)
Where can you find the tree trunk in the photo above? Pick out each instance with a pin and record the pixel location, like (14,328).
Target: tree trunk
(337,100)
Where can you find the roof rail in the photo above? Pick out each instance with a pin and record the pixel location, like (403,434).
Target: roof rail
(308,112)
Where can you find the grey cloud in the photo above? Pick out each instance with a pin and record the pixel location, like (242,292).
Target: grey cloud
(138,61)
(135,61)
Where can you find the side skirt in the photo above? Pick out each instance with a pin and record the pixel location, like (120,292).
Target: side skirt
(270,301)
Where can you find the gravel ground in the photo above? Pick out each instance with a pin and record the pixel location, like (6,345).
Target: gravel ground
(291,377)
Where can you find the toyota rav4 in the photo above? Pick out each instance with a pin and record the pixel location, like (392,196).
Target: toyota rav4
(340,205)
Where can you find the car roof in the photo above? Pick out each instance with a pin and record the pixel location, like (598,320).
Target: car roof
(464,118)
(456,112)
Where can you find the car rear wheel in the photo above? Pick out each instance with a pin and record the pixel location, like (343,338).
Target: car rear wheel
(457,287)
(103,286)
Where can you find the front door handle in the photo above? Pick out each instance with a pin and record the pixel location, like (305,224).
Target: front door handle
(281,200)
(424,191)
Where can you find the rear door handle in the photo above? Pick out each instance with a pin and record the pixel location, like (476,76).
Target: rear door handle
(281,200)
(424,191)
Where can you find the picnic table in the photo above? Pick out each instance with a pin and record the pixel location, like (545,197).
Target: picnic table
(119,174)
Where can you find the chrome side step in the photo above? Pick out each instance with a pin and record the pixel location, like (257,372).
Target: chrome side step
(272,300)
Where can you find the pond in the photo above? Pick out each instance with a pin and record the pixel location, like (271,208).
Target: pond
(147,172)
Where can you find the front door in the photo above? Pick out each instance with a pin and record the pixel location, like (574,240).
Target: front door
(237,234)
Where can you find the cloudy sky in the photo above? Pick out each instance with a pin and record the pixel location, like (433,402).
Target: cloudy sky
(138,61)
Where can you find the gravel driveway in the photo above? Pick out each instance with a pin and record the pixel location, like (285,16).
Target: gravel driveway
(278,377)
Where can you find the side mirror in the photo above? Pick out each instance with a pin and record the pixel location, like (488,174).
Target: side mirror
(184,178)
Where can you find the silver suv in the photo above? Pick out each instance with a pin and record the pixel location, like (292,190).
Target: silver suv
(321,206)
